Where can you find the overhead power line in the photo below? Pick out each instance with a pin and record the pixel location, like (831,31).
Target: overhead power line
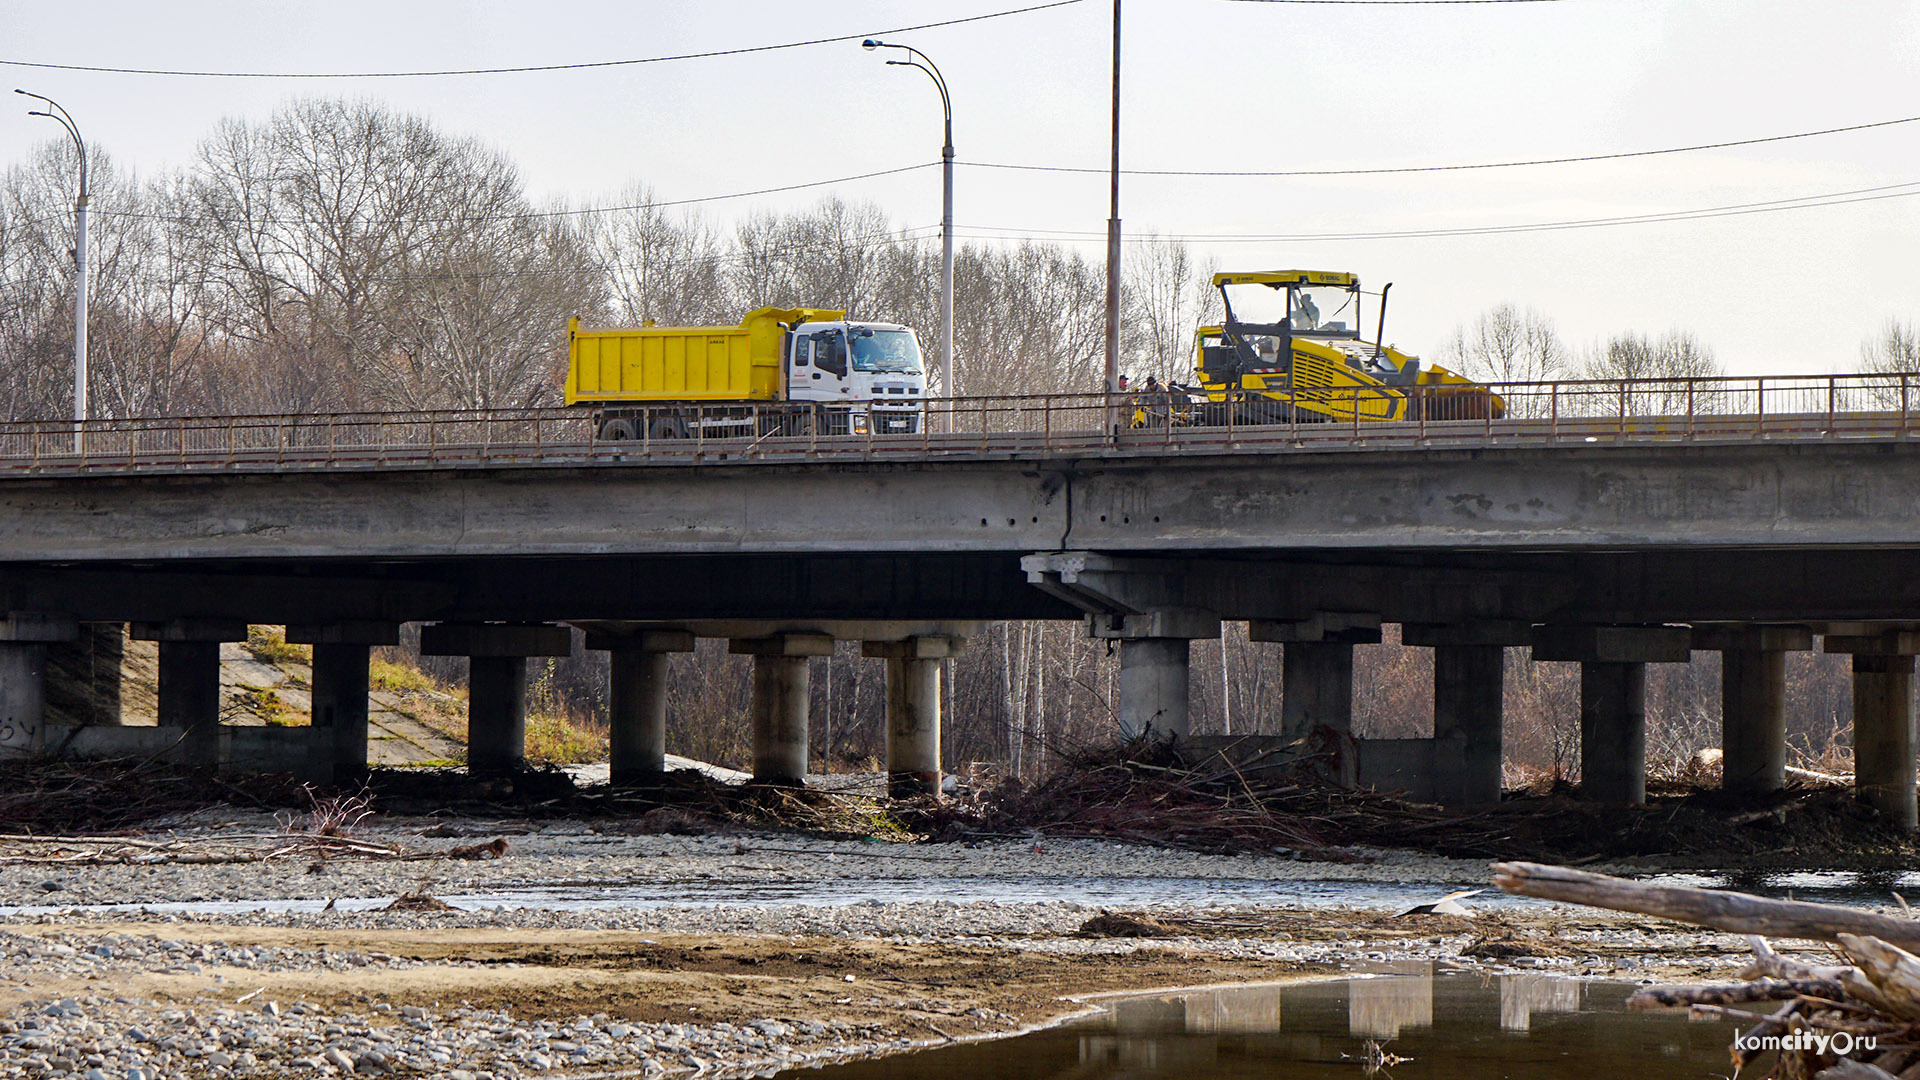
(1802,202)
(1448,168)
(522,215)
(528,68)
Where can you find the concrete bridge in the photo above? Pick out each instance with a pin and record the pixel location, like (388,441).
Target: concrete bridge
(1612,538)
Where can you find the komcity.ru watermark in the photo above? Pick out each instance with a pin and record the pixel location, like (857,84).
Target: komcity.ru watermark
(1841,1043)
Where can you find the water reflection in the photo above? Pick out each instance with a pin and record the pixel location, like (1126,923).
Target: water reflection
(1523,995)
(1402,997)
(1445,1027)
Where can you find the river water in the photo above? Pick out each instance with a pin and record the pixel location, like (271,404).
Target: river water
(1444,1027)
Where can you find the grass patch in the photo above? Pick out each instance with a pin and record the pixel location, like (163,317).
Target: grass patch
(559,741)
(269,706)
(400,678)
(269,645)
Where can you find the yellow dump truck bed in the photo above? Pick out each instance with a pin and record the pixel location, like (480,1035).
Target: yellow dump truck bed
(683,363)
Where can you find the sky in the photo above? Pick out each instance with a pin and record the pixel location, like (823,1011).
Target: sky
(1221,85)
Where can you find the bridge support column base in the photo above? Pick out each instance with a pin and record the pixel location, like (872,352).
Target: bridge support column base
(337,741)
(913,727)
(1468,692)
(781,685)
(1154,682)
(496,715)
(1316,687)
(190,698)
(23,698)
(496,684)
(1613,731)
(636,717)
(1753,720)
(637,702)
(1883,739)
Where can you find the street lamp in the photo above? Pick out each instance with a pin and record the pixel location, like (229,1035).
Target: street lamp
(53,111)
(946,207)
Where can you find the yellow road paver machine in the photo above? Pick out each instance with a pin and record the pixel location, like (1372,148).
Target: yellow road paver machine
(1289,351)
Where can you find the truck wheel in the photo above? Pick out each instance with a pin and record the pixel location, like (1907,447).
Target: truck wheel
(616,430)
(666,427)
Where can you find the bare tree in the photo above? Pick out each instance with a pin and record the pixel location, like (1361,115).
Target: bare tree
(1169,295)
(1629,358)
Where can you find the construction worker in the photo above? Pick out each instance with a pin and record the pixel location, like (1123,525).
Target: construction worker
(1155,403)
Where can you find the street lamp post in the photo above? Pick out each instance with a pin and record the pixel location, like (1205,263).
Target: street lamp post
(53,111)
(946,207)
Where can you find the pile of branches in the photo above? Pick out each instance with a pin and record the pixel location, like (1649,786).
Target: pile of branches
(1858,1020)
(1158,792)
(689,801)
(1148,791)
(93,797)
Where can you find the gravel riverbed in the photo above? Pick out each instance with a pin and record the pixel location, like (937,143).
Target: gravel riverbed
(733,985)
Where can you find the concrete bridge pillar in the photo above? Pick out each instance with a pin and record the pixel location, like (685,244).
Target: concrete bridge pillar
(1753,695)
(1154,667)
(1316,675)
(1613,699)
(24,638)
(913,710)
(496,684)
(1883,736)
(780,702)
(337,738)
(190,680)
(637,701)
(1469,683)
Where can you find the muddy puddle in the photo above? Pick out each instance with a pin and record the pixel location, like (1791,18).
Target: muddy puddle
(1833,888)
(1444,1027)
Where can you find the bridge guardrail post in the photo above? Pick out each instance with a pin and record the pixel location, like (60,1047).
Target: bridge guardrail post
(1553,404)
(1760,407)
(1903,403)
(183,441)
(1833,389)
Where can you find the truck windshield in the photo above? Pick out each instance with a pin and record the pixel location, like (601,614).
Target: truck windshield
(887,350)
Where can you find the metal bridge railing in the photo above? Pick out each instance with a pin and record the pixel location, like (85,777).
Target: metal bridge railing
(1578,412)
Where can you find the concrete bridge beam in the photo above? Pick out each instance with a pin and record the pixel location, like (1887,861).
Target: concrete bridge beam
(1753,696)
(1469,683)
(1155,667)
(637,701)
(496,684)
(190,680)
(1613,699)
(24,638)
(337,739)
(781,686)
(913,710)
(1883,735)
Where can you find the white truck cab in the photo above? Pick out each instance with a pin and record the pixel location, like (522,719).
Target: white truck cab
(873,369)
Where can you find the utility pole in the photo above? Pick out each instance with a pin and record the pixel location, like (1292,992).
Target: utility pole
(53,111)
(1113,225)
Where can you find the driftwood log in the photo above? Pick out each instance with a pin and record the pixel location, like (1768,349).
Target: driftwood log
(1735,913)
(1858,1021)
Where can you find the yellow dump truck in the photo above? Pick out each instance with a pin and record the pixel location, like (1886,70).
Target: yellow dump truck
(793,371)
(1290,349)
